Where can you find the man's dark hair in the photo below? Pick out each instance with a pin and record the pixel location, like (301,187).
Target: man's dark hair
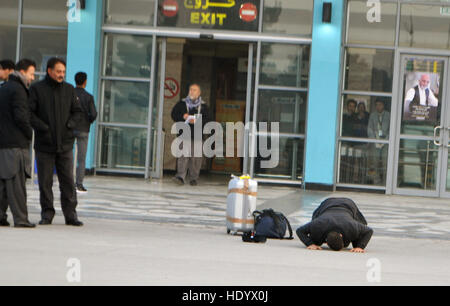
(53,61)
(24,64)
(335,241)
(7,64)
(80,78)
(352,101)
(380,101)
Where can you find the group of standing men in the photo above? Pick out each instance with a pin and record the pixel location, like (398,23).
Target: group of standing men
(57,112)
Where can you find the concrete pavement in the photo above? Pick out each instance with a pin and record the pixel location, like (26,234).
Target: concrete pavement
(145,253)
(156,233)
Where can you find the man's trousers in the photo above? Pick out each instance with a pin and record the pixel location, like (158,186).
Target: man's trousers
(82,144)
(13,190)
(63,162)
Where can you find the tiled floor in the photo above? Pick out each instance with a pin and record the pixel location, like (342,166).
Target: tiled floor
(162,201)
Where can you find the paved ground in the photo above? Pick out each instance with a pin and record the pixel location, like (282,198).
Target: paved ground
(154,233)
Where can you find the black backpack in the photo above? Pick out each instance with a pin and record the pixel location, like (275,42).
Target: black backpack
(271,224)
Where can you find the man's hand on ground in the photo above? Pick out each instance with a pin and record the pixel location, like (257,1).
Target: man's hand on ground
(314,247)
(357,250)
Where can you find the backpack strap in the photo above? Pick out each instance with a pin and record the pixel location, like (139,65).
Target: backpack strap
(289,228)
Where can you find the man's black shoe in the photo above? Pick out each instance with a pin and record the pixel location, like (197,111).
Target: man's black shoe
(193,183)
(178,180)
(45,222)
(25,225)
(4,223)
(74,223)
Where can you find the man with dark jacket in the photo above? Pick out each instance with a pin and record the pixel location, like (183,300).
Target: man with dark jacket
(55,111)
(6,68)
(15,138)
(337,222)
(189,111)
(83,127)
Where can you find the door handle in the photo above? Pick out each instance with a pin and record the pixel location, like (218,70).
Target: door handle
(435,135)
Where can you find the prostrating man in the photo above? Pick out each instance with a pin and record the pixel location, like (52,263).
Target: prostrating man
(55,111)
(189,111)
(337,222)
(15,137)
(6,68)
(83,127)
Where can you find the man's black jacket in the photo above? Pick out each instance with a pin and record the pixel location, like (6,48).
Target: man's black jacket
(15,127)
(180,109)
(55,111)
(340,215)
(88,107)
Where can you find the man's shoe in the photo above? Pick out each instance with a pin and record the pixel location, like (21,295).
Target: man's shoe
(45,222)
(25,225)
(178,180)
(80,189)
(74,223)
(193,183)
(4,223)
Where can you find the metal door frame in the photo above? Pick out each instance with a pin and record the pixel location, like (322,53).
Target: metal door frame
(397,116)
(158,162)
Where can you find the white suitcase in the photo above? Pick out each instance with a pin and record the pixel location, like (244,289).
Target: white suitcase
(241,203)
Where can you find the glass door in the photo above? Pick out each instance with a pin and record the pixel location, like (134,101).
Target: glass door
(420,129)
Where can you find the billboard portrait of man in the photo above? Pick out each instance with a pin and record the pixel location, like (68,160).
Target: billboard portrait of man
(421,103)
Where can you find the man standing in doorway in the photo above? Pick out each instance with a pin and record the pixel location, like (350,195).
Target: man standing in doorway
(15,137)
(55,112)
(192,110)
(83,127)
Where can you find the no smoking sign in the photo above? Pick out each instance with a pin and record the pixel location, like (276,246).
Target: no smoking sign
(171,88)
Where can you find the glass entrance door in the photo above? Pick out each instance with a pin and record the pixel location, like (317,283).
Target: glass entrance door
(421,127)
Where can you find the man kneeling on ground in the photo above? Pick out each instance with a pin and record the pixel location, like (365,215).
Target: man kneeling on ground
(336,222)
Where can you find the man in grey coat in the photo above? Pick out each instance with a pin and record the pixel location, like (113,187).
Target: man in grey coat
(15,137)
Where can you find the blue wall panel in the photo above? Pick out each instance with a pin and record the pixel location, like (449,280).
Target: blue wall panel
(324,94)
(83,54)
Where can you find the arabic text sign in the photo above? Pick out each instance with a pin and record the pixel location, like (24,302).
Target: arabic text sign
(239,15)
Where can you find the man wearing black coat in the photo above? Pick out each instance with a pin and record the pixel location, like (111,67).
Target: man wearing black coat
(84,125)
(55,111)
(337,222)
(189,111)
(15,138)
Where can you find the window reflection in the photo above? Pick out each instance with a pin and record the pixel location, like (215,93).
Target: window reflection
(130,12)
(123,148)
(44,12)
(41,45)
(361,31)
(284,65)
(287,108)
(128,55)
(424,26)
(8,29)
(369,70)
(125,102)
(288,17)
(363,163)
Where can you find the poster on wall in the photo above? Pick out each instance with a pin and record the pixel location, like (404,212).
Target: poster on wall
(239,15)
(421,94)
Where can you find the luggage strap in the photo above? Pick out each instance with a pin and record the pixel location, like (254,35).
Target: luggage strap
(244,191)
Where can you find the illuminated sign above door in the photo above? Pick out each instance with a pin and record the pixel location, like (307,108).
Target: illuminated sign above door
(237,15)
